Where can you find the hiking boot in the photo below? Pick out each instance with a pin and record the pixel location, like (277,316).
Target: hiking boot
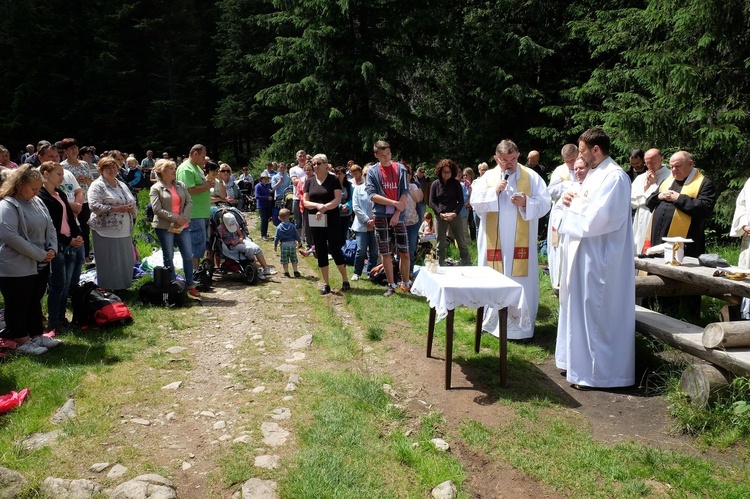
(286,274)
(29,348)
(325,289)
(345,286)
(297,274)
(390,291)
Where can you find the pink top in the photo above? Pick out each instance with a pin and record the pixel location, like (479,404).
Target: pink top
(176,200)
(64,226)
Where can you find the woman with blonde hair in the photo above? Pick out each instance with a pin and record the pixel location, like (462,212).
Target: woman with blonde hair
(28,242)
(172,203)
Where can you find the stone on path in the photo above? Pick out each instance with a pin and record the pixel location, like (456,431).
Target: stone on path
(445,490)
(11,482)
(172,386)
(39,440)
(186,466)
(273,434)
(98,467)
(141,421)
(258,389)
(220,425)
(176,350)
(302,343)
(66,412)
(255,488)
(267,461)
(281,413)
(117,471)
(208,414)
(440,444)
(244,439)
(150,486)
(287,368)
(276,292)
(296,357)
(61,488)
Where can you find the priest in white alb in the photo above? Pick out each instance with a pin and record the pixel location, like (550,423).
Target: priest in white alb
(560,181)
(509,200)
(596,326)
(643,186)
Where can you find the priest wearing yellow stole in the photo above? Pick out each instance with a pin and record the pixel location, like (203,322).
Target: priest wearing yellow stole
(509,200)
(681,204)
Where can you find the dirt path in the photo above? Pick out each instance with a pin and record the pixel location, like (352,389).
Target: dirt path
(234,386)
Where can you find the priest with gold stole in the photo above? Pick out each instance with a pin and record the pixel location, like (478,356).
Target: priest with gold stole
(681,204)
(509,200)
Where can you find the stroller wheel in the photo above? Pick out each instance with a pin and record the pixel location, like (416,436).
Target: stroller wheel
(251,273)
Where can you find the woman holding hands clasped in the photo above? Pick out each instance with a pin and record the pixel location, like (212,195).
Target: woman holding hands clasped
(322,200)
(112,217)
(28,242)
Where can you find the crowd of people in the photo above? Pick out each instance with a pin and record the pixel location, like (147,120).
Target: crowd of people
(593,215)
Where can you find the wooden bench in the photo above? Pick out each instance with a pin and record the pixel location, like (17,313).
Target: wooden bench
(689,338)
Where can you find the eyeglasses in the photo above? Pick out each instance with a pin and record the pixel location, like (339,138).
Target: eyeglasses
(317,163)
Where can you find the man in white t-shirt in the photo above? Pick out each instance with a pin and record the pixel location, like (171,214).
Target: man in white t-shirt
(297,173)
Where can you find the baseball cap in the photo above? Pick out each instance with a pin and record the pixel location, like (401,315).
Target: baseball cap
(230,222)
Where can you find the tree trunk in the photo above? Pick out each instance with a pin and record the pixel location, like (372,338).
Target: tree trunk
(727,334)
(704,384)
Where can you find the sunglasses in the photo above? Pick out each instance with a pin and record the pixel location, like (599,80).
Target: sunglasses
(316,163)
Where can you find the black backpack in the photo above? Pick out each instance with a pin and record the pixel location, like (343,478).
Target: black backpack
(175,294)
(203,275)
(93,305)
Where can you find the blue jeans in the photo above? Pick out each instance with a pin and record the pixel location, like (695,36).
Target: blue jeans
(62,268)
(412,232)
(366,246)
(197,231)
(167,240)
(264,213)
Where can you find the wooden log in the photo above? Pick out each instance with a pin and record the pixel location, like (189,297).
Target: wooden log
(691,271)
(704,384)
(727,334)
(688,338)
(648,286)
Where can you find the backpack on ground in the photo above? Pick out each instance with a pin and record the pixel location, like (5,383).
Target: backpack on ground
(174,294)
(203,275)
(95,306)
(377,274)
(350,251)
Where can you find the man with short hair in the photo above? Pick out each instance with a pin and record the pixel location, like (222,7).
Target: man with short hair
(297,174)
(510,199)
(199,186)
(681,204)
(147,163)
(643,186)
(532,162)
(562,178)
(387,184)
(29,152)
(637,164)
(596,326)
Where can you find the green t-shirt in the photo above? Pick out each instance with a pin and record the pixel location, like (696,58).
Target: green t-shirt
(192,176)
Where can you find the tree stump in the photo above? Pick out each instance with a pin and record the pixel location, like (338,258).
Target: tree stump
(727,334)
(704,384)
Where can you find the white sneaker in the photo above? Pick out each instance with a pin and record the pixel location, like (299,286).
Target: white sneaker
(269,271)
(30,348)
(261,276)
(355,277)
(45,342)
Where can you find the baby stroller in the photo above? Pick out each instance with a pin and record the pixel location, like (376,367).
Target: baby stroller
(248,195)
(230,261)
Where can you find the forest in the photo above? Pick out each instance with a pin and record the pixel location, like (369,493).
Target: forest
(259,79)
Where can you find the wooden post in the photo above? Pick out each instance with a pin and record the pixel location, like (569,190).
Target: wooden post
(704,383)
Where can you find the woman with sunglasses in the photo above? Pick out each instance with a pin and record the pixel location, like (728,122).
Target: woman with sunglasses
(322,200)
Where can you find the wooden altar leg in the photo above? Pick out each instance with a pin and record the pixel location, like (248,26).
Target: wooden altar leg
(448,348)
(478,330)
(503,346)
(430,331)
